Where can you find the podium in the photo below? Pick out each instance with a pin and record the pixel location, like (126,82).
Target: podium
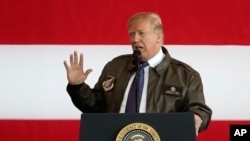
(143,126)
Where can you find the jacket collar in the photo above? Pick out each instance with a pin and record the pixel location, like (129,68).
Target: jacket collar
(160,68)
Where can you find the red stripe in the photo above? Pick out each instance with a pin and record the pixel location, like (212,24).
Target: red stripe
(104,22)
(68,130)
(39,130)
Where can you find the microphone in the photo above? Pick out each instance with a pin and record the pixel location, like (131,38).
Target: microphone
(137,61)
(137,58)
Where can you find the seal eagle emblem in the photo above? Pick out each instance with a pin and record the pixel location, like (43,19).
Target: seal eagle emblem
(138,132)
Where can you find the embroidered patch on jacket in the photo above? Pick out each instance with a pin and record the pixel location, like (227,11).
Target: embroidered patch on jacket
(172,90)
(108,84)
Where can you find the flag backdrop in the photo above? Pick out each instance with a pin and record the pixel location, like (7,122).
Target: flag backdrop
(36,36)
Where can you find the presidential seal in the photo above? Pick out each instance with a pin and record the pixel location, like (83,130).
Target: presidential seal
(138,132)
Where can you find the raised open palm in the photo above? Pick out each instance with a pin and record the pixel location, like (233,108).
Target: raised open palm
(75,70)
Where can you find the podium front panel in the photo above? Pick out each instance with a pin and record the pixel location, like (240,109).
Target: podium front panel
(107,126)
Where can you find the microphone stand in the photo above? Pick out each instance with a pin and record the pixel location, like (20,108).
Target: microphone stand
(137,62)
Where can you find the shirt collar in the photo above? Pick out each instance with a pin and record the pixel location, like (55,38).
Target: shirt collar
(156,59)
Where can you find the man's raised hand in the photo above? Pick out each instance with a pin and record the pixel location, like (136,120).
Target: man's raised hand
(75,70)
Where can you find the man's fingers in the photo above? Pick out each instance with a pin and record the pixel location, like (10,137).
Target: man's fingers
(75,58)
(196,131)
(71,59)
(66,65)
(88,71)
(81,60)
(198,122)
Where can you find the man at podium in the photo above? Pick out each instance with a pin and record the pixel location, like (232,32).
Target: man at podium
(148,80)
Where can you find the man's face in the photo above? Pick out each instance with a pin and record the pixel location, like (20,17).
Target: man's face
(144,38)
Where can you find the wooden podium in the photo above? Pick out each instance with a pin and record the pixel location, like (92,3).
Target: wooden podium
(143,126)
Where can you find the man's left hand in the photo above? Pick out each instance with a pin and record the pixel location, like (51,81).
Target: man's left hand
(198,122)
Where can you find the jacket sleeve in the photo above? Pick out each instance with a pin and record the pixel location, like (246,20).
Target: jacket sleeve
(86,99)
(196,100)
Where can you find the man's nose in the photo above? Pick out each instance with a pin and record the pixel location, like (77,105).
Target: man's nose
(136,38)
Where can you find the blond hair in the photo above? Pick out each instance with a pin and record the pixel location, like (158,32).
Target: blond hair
(154,19)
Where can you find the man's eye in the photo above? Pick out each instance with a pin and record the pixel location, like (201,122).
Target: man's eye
(131,34)
(142,33)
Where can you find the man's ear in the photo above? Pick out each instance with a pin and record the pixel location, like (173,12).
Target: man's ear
(160,37)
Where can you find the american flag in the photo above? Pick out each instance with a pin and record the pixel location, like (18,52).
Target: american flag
(37,36)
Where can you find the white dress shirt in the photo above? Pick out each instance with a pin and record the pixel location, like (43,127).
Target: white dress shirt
(152,63)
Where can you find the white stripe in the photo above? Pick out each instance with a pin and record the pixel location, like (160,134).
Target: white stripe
(33,78)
